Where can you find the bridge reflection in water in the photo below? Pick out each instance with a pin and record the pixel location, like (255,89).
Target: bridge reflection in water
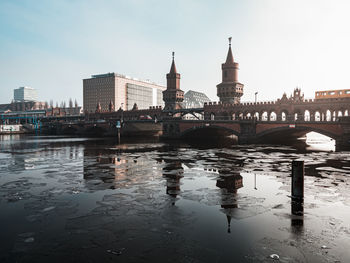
(115,168)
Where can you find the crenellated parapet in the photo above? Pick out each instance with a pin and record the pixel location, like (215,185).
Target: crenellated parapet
(285,109)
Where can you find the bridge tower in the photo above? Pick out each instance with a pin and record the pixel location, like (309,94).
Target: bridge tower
(173,95)
(230,90)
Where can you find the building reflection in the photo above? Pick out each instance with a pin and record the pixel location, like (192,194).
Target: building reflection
(173,172)
(110,169)
(229,183)
(30,152)
(105,169)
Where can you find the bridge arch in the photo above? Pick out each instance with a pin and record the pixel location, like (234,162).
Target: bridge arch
(233,116)
(212,131)
(264,116)
(256,115)
(282,115)
(328,115)
(334,115)
(307,115)
(298,115)
(212,116)
(272,116)
(286,133)
(317,115)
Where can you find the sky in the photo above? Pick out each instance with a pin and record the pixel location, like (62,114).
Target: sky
(279,45)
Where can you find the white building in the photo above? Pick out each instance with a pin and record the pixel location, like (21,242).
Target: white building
(25,94)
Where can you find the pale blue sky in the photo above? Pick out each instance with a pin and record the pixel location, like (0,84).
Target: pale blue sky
(280,44)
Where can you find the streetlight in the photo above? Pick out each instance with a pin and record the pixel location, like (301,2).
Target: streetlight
(121,106)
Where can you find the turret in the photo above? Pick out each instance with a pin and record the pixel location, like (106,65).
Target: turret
(230,90)
(173,95)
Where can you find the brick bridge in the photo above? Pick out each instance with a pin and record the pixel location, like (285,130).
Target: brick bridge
(252,131)
(283,119)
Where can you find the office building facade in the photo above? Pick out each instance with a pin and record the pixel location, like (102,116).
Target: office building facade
(121,91)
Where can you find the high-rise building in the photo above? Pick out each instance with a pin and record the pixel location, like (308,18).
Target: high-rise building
(23,94)
(230,90)
(195,99)
(120,91)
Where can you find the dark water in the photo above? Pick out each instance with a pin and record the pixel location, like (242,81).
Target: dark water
(89,200)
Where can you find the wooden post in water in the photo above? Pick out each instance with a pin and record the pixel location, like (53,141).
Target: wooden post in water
(298,180)
(297,187)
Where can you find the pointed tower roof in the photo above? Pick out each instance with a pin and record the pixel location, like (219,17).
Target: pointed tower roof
(229,59)
(173,67)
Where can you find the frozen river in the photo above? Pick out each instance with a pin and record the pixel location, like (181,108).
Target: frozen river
(91,200)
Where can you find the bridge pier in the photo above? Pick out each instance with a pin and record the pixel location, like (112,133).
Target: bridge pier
(248,132)
(343,143)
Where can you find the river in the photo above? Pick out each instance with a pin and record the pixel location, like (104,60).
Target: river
(92,200)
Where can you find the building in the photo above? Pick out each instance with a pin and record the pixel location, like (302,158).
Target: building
(330,94)
(173,96)
(112,91)
(24,106)
(230,90)
(69,111)
(195,99)
(25,94)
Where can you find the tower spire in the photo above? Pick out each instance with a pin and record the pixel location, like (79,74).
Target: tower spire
(173,67)
(229,59)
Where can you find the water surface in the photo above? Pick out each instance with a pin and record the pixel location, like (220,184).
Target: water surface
(92,200)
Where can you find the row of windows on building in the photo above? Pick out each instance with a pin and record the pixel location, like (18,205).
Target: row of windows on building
(333,92)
